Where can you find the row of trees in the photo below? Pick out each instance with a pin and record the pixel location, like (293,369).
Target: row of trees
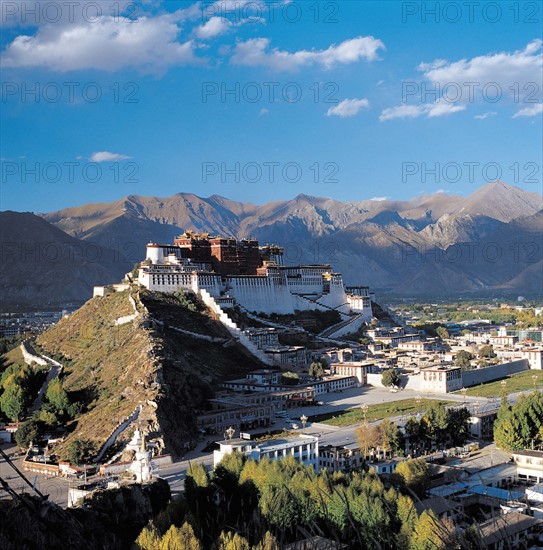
(19,385)
(57,409)
(437,428)
(385,437)
(520,426)
(245,505)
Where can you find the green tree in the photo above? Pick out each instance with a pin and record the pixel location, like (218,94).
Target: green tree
(413,473)
(80,451)
(231,541)
(148,539)
(26,433)
(269,542)
(13,401)
(430,533)
(316,370)
(57,396)
(443,333)
(388,436)
(463,360)
(182,538)
(390,378)
(407,514)
(290,378)
(458,425)
(487,352)
(518,427)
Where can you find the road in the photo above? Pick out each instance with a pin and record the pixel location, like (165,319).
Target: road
(332,435)
(55,487)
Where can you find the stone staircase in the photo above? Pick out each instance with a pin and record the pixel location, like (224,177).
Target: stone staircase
(318,305)
(233,328)
(352,324)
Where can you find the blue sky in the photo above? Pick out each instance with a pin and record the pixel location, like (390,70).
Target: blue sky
(350,100)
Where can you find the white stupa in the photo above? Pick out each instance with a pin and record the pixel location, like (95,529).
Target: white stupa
(135,442)
(141,466)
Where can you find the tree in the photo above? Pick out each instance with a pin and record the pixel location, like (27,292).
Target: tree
(231,541)
(463,360)
(518,427)
(458,425)
(407,514)
(57,396)
(443,333)
(367,438)
(80,451)
(182,538)
(316,370)
(269,542)
(26,433)
(148,539)
(290,378)
(13,401)
(487,352)
(430,533)
(413,473)
(390,378)
(388,436)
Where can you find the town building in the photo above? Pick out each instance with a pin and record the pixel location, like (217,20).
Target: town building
(331,384)
(304,448)
(260,380)
(240,416)
(481,424)
(440,379)
(512,530)
(263,337)
(529,465)
(356,369)
(288,356)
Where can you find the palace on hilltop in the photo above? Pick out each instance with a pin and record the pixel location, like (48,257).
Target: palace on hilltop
(254,277)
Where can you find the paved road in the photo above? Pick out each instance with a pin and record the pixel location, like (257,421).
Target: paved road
(55,487)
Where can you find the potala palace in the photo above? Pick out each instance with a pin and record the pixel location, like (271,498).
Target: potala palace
(252,276)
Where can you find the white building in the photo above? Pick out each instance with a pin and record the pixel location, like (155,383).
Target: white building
(304,448)
(529,465)
(356,369)
(440,379)
(275,289)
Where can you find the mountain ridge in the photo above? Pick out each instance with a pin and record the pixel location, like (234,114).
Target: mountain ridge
(383,244)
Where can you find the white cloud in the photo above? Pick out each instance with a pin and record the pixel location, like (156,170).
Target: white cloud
(440,108)
(431,110)
(256,52)
(106,156)
(149,44)
(263,112)
(514,75)
(214,26)
(402,111)
(379,199)
(485,115)
(449,86)
(533,110)
(348,108)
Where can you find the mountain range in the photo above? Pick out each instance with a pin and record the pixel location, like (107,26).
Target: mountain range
(432,245)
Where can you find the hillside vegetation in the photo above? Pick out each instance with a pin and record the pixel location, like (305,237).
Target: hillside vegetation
(111,369)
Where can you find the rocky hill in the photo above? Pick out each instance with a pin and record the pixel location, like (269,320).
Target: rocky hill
(114,363)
